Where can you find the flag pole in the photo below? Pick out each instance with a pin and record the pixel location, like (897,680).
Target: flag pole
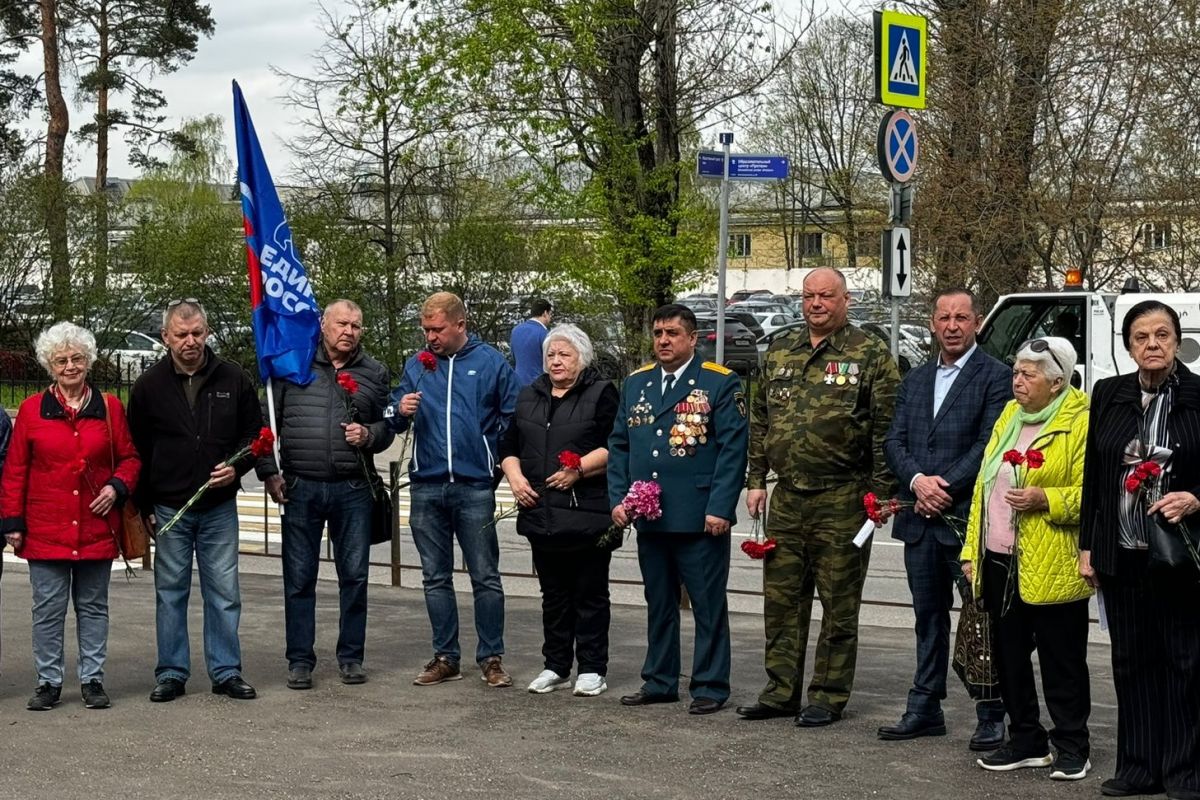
(275,433)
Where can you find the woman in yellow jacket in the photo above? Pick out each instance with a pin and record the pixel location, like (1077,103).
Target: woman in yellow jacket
(1024,530)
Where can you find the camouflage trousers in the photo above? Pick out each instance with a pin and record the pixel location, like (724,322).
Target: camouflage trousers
(813,532)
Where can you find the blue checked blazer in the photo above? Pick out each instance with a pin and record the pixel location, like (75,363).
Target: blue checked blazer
(951,444)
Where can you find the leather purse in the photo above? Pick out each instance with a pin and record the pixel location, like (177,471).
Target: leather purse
(1166,542)
(974,645)
(133,535)
(381,511)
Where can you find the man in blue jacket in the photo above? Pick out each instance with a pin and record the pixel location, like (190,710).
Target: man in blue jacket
(458,407)
(945,411)
(682,424)
(527,338)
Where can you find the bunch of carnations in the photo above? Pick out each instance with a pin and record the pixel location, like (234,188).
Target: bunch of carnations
(642,501)
(758,545)
(429,363)
(1145,474)
(350,387)
(261,447)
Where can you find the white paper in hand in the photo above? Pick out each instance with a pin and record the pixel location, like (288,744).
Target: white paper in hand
(1103,610)
(864,533)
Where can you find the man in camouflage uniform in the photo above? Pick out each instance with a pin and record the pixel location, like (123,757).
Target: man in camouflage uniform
(818,419)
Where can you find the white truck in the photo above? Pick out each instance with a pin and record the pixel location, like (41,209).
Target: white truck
(1092,320)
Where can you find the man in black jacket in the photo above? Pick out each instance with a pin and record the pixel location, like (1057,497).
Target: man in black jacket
(189,413)
(329,432)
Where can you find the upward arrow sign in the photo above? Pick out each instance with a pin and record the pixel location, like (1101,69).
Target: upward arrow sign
(901,268)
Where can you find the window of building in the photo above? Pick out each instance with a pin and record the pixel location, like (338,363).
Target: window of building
(739,245)
(809,244)
(1155,235)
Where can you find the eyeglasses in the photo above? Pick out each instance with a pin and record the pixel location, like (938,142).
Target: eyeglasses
(1042,346)
(180,301)
(76,360)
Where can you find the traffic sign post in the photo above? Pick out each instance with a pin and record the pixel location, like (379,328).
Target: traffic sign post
(897,146)
(900,46)
(727,167)
(897,262)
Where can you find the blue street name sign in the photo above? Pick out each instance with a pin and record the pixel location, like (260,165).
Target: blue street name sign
(742,166)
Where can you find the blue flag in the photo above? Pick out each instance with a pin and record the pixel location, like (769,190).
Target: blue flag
(287,324)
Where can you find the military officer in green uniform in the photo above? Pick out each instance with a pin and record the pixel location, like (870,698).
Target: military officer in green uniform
(682,424)
(818,418)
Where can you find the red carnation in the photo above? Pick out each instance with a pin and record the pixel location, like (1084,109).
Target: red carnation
(427,360)
(570,461)
(347,382)
(1132,484)
(1150,469)
(264,445)
(893,507)
(758,550)
(873,508)
(1014,457)
(1034,459)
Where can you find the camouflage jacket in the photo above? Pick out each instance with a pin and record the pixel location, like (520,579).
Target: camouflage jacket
(819,416)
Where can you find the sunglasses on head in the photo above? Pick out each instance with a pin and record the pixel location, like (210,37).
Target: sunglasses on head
(180,301)
(1042,346)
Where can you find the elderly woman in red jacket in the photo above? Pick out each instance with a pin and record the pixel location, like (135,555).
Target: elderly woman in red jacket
(70,465)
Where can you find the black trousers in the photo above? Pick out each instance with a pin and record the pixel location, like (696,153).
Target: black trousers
(575,609)
(1154,622)
(1059,634)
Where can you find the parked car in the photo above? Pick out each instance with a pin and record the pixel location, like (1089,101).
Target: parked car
(758,306)
(741,355)
(772,320)
(699,305)
(129,352)
(746,294)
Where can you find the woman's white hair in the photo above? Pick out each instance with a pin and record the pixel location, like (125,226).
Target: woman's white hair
(572,335)
(64,336)
(1062,349)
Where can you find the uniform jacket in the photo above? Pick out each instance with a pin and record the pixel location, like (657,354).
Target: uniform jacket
(54,470)
(706,481)
(466,405)
(820,416)
(1047,542)
(950,444)
(312,441)
(1116,409)
(180,445)
(537,439)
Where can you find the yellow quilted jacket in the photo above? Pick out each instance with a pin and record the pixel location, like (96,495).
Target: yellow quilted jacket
(1047,542)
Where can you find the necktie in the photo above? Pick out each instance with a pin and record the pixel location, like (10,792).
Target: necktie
(668,382)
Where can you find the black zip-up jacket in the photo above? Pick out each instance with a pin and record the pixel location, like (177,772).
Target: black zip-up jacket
(312,441)
(180,446)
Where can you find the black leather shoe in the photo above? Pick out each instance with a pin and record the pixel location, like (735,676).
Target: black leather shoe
(913,726)
(1183,794)
(353,674)
(167,690)
(763,711)
(989,736)
(816,717)
(705,705)
(300,678)
(236,688)
(1119,787)
(640,698)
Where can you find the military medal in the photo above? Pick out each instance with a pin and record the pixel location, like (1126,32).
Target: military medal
(842,377)
(831,371)
(854,374)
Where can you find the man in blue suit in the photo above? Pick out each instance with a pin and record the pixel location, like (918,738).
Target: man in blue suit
(682,424)
(945,412)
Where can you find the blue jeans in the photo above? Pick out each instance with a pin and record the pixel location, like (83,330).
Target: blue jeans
(213,536)
(85,582)
(441,512)
(346,506)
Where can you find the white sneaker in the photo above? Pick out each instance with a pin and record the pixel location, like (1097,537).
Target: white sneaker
(590,684)
(548,681)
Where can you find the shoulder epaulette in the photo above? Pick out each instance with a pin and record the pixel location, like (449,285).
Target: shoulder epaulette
(643,368)
(715,367)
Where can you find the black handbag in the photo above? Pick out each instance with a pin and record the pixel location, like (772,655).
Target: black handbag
(1167,544)
(974,645)
(381,512)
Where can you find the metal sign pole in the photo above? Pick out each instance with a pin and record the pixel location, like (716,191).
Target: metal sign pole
(723,251)
(896,330)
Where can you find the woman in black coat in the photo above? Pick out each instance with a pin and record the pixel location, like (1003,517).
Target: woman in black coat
(554,455)
(1141,492)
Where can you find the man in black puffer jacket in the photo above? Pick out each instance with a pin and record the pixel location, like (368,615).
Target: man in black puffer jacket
(329,432)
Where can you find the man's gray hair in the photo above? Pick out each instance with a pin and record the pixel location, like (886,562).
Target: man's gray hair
(572,335)
(350,304)
(64,336)
(184,309)
(1062,349)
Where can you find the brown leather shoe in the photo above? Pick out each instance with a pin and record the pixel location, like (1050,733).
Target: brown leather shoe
(439,670)
(494,674)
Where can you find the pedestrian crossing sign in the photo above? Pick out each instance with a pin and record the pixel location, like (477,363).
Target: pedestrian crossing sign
(900,47)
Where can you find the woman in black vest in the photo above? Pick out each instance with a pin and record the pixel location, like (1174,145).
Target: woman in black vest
(1141,492)
(554,456)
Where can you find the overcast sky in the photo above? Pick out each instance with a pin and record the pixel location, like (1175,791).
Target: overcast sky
(251,36)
